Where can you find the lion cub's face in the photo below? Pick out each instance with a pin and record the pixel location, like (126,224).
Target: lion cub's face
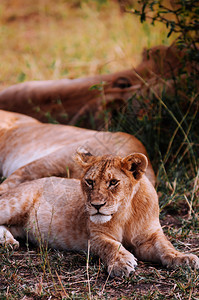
(109,182)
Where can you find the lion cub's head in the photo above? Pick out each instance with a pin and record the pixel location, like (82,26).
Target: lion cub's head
(109,182)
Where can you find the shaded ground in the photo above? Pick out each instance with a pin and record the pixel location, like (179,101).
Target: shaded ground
(37,273)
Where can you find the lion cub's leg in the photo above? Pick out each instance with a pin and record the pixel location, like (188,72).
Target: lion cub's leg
(119,261)
(158,249)
(6,238)
(14,210)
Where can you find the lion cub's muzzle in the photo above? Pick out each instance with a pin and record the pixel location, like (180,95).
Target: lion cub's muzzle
(98,207)
(99,212)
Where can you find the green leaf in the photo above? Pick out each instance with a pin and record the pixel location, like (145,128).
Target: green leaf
(21,77)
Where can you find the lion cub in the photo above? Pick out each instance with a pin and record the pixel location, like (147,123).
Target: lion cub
(114,206)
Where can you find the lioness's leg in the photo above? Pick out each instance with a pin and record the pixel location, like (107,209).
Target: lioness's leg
(157,248)
(58,163)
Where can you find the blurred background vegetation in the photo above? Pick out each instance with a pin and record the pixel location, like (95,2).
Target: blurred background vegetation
(44,39)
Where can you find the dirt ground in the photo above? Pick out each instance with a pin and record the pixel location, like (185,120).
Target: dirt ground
(39,273)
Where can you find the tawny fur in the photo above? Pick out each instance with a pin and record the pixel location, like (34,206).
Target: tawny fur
(114,206)
(31,150)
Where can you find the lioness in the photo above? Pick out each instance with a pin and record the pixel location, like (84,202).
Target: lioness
(31,150)
(114,206)
(77,99)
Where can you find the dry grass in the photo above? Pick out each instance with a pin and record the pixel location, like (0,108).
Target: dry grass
(49,274)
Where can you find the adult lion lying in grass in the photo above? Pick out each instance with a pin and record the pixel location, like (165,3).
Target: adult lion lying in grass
(69,101)
(114,206)
(31,150)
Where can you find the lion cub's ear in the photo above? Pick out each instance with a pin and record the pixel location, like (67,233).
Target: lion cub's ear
(135,163)
(83,157)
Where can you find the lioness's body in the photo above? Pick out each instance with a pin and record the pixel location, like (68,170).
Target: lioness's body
(30,149)
(77,100)
(114,206)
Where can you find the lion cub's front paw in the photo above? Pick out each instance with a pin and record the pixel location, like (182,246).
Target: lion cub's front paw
(123,265)
(183,259)
(188,259)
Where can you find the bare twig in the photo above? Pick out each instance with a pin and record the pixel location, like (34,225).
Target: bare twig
(65,294)
(87,272)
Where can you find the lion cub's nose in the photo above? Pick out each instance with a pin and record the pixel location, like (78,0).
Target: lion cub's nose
(98,206)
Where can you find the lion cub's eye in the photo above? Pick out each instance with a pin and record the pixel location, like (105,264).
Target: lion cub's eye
(89,182)
(113,182)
